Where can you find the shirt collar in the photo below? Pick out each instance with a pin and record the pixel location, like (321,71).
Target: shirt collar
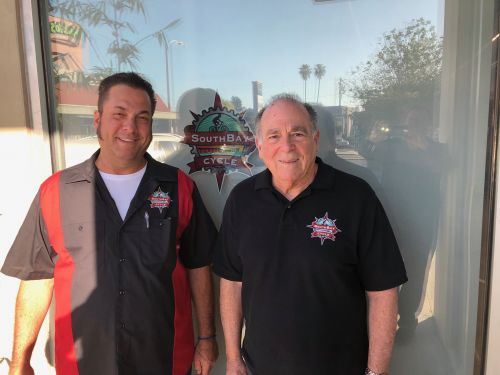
(325,176)
(82,172)
(86,171)
(156,170)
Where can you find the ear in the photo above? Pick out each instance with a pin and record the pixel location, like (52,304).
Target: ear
(316,137)
(258,142)
(97,118)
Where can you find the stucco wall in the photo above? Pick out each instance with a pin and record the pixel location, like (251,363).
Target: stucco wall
(12,103)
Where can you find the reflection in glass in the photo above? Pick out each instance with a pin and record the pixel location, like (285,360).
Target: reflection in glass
(374,72)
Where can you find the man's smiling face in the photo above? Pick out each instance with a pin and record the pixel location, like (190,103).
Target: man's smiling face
(124,128)
(288,144)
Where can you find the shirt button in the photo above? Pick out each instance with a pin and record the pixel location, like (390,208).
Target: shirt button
(289,206)
(122,260)
(122,293)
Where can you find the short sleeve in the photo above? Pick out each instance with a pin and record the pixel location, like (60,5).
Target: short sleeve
(31,257)
(198,239)
(227,262)
(381,266)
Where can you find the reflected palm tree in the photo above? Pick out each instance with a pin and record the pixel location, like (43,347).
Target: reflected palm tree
(111,14)
(305,73)
(319,72)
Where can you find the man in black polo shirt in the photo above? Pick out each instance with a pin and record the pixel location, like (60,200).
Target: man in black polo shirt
(125,244)
(307,261)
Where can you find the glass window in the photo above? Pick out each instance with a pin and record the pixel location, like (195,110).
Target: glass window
(395,108)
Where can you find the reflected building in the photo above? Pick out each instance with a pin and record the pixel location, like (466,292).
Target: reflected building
(258,99)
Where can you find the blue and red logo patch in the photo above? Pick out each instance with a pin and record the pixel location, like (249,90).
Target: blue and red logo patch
(324,228)
(160,199)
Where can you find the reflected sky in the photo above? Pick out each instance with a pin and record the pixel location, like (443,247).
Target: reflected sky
(225,47)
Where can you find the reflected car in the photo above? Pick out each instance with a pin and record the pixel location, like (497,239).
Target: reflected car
(342,143)
(165,144)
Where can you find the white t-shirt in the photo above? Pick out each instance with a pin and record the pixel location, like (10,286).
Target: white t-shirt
(122,188)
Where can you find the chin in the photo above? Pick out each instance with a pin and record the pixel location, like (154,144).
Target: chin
(290,178)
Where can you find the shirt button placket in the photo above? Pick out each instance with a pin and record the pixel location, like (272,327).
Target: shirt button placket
(121,292)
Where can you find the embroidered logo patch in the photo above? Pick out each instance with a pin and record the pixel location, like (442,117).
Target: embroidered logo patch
(324,228)
(160,199)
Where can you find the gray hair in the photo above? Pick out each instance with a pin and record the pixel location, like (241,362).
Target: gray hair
(290,98)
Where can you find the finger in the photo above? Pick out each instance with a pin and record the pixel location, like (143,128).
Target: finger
(197,366)
(206,367)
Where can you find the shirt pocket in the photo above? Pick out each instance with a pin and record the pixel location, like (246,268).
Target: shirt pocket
(84,241)
(159,239)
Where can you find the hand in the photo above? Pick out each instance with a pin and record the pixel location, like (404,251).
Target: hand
(21,369)
(235,367)
(205,355)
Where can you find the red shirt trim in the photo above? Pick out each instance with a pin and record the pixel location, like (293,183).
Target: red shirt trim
(183,351)
(63,277)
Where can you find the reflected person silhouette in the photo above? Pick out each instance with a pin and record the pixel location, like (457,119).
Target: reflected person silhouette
(327,151)
(216,163)
(194,102)
(410,165)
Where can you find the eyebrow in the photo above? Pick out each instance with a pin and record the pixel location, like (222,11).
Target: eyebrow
(121,108)
(294,128)
(303,128)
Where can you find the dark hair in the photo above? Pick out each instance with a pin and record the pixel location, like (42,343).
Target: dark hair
(290,98)
(130,79)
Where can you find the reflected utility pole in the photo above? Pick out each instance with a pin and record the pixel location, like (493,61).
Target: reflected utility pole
(341,91)
(161,37)
(167,71)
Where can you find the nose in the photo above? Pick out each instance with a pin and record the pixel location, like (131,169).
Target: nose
(287,143)
(129,124)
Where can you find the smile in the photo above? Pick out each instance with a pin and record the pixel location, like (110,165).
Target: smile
(127,140)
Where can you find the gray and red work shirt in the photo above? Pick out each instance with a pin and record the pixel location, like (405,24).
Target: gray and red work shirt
(122,296)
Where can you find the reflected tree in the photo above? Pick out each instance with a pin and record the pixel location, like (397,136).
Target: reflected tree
(305,73)
(227,104)
(236,101)
(111,14)
(319,72)
(398,89)
(403,72)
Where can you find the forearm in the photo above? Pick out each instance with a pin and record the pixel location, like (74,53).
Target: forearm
(382,321)
(32,304)
(202,293)
(232,317)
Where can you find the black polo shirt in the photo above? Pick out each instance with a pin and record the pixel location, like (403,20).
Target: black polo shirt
(123,303)
(305,266)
